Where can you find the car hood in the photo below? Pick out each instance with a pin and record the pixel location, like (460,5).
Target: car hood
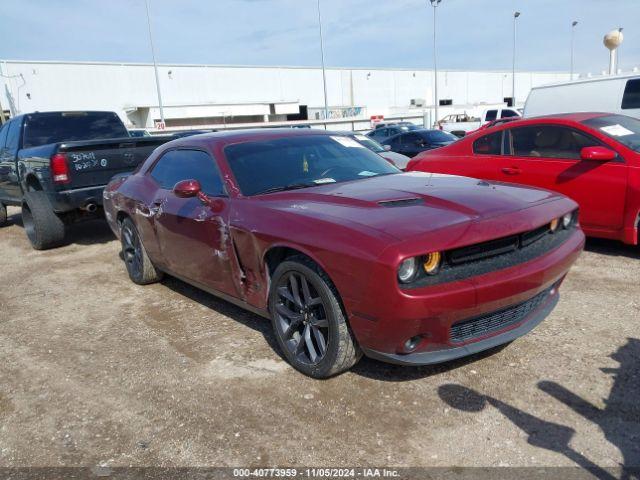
(409,204)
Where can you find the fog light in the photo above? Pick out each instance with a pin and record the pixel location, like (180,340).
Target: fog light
(432,262)
(553,226)
(411,344)
(566,220)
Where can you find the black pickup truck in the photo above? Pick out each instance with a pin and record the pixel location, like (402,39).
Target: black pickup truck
(56,164)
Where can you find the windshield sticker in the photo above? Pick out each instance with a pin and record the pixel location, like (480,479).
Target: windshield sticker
(616,130)
(367,173)
(320,181)
(347,142)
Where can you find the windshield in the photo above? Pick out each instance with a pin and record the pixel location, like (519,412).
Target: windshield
(54,127)
(305,161)
(620,128)
(438,136)
(372,145)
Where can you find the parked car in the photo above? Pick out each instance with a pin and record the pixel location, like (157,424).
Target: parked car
(343,252)
(139,132)
(397,159)
(417,141)
(594,158)
(395,124)
(460,124)
(494,123)
(56,164)
(382,133)
(615,94)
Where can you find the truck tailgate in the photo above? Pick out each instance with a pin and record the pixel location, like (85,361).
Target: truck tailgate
(93,163)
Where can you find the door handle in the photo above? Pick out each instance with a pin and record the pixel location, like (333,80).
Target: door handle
(511,170)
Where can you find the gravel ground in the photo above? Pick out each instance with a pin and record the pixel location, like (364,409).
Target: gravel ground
(96,370)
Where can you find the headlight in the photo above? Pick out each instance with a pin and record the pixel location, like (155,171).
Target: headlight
(407,270)
(553,226)
(431,263)
(566,220)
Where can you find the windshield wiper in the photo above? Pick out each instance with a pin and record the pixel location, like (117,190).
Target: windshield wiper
(282,188)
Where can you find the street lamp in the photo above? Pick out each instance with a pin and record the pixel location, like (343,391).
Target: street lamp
(573,28)
(155,65)
(513,67)
(324,75)
(434,4)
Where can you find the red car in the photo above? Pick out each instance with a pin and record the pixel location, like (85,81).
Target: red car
(593,158)
(342,251)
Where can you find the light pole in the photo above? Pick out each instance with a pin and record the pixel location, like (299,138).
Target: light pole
(324,75)
(155,65)
(513,66)
(434,4)
(573,28)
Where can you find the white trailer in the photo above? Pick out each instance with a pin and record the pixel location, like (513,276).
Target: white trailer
(610,94)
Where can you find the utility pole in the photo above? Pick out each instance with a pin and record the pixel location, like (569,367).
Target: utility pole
(155,65)
(513,66)
(573,28)
(324,75)
(434,4)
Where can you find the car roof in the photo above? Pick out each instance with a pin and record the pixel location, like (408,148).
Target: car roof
(242,136)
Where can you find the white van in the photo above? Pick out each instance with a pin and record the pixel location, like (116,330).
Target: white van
(614,94)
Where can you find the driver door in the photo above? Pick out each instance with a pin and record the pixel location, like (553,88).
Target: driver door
(193,237)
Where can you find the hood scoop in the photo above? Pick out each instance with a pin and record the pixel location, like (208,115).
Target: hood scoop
(402,202)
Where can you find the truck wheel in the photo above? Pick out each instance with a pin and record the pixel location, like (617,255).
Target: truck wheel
(308,320)
(139,266)
(3,214)
(43,227)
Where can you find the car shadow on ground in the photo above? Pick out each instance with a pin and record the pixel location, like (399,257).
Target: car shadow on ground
(83,233)
(612,248)
(619,420)
(228,309)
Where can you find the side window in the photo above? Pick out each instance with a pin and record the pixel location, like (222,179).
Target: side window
(488,145)
(491,115)
(3,135)
(549,142)
(631,96)
(13,137)
(508,114)
(409,139)
(177,165)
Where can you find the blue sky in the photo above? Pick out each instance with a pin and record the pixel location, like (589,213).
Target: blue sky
(473,34)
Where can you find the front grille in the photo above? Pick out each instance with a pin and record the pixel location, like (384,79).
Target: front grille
(483,250)
(495,247)
(492,322)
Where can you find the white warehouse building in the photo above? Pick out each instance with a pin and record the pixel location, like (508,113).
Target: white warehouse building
(212,95)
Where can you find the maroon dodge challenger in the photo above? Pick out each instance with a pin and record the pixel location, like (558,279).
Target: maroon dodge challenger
(342,251)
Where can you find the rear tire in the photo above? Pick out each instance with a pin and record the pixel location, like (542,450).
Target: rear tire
(139,266)
(43,227)
(3,214)
(308,320)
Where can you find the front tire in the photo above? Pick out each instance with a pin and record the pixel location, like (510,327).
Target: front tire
(139,266)
(43,227)
(308,320)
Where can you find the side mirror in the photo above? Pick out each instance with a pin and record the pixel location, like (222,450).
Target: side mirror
(187,189)
(387,148)
(598,154)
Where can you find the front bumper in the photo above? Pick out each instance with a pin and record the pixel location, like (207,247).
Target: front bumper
(452,353)
(385,322)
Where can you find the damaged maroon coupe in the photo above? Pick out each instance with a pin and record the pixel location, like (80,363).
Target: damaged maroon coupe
(343,252)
